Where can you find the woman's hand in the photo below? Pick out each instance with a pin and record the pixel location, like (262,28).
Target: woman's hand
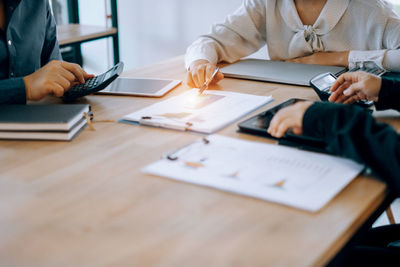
(200,71)
(324,58)
(354,86)
(289,118)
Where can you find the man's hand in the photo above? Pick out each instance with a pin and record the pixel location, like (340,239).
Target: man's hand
(354,86)
(200,71)
(54,78)
(324,58)
(289,118)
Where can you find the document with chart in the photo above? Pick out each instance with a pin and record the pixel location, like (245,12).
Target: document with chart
(205,113)
(284,175)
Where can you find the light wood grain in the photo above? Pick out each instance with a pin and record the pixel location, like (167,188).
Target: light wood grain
(73,33)
(86,203)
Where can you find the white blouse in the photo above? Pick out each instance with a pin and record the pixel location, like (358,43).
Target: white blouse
(369,29)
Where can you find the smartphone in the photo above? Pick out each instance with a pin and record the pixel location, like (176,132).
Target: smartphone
(322,85)
(94,84)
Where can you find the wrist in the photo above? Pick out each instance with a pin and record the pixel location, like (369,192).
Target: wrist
(27,87)
(343,59)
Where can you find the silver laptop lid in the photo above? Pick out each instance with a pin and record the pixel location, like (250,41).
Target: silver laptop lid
(277,71)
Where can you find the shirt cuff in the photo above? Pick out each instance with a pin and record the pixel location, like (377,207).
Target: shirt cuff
(200,51)
(12,91)
(376,56)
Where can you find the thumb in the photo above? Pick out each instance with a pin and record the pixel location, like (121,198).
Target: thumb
(352,89)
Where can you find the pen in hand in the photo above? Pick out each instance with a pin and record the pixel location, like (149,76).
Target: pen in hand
(207,83)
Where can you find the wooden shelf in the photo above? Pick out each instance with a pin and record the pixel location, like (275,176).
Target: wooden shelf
(76,33)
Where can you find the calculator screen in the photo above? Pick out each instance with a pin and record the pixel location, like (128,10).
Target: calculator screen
(108,75)
(325,82)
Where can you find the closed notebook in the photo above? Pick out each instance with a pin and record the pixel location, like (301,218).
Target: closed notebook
(48,122)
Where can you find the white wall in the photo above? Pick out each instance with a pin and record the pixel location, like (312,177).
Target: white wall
(153,30)
(150,30)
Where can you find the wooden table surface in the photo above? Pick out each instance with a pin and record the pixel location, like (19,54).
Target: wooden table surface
(86,202)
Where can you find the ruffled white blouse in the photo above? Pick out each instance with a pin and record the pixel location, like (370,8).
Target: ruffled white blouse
(369,29)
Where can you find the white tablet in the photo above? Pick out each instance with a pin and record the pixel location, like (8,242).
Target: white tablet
(151,87)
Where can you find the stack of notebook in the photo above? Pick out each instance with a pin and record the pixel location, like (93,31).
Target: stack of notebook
(42,122)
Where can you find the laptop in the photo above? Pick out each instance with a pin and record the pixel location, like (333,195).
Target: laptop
(277,71)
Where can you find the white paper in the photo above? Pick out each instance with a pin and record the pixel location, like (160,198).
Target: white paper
(289,176)
(206,113)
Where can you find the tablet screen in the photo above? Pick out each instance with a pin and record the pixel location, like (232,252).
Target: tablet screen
(140,86)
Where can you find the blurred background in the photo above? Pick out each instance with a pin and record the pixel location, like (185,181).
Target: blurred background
(149,30)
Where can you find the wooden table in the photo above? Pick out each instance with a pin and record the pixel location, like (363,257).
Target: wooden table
(76,33)
(86,202)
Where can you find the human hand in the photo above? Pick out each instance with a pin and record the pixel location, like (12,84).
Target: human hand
(289,118)
(354,86)
(55,78)
(200,71)
(324,58)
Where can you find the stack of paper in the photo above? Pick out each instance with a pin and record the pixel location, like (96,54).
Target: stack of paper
(296,178)
(206,113)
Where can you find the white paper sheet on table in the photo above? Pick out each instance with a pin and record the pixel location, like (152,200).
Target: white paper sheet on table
(289,176)
(206,113)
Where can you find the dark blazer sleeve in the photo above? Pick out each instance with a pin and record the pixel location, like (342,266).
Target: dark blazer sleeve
(12,91)
(389,95)
(352,132)
(51,50)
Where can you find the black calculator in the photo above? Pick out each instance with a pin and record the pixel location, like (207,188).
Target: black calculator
(322,84)
(94,84)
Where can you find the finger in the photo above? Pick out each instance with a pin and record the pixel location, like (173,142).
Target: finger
(198,77)
(346,77)
(87,75)
(351,100)
(189,80)
(283,127)
(63,82)
(218,77)
(353,89)
(76,70)
(339,92)
(57,90)
(342,98)
(209,72)
(67,75)
(274,124)
(338,83)
(297,130)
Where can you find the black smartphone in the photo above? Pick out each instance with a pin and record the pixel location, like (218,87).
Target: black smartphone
(322,85)
(94,84)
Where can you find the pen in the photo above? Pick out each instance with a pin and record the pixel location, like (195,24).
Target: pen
(207,83)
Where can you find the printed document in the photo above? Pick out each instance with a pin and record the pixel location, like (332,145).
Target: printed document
(284,175)
(205,113)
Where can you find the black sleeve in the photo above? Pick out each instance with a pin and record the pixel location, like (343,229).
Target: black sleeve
(51,50)
(352,132)
(389,95)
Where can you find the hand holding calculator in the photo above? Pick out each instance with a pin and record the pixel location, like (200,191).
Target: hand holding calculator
(94,85)
(322,85)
